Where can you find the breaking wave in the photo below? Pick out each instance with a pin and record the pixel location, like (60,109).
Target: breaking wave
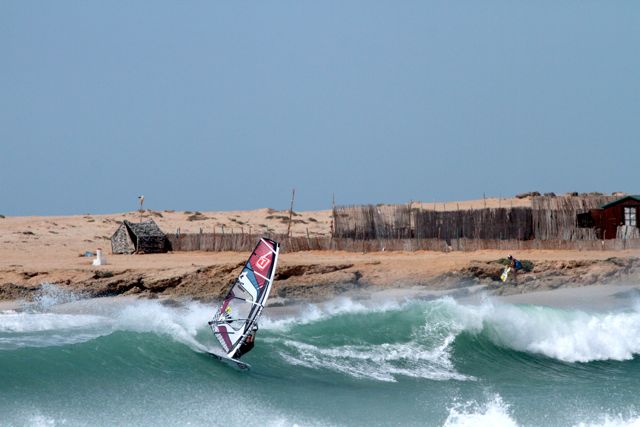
(567,335)
(58,317)
(453,359)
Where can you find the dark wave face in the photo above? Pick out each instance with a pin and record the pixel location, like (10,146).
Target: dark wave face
(343,362)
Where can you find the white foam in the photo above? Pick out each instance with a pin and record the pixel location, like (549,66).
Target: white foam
(494,413)
(311,313)
(567,335)
(382,362)
(38,322)
(41,421)
(79,323)
(181,323)
(613,421)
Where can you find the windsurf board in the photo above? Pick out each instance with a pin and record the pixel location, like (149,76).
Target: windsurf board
(505,274)
(234,363)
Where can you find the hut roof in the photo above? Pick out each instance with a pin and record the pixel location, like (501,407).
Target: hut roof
(147,228)
(615,202)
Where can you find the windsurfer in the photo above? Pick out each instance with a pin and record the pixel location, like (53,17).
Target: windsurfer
(248,343)
(515,265)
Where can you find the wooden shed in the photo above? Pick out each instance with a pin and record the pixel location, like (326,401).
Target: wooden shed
(610,219)
(143,237)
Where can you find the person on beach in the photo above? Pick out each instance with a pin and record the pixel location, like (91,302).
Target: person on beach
(515,265)
(248,343)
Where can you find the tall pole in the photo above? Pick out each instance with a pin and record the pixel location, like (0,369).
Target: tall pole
(333,215)
(141,199)
(293,196)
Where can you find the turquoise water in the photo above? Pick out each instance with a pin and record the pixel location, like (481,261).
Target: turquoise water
(427,363)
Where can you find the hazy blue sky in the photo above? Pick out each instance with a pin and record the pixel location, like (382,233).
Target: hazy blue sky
(229,105)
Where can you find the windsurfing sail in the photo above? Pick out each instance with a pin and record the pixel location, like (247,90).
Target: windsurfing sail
(243,305)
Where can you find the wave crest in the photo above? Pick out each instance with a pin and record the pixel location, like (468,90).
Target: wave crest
(562,334)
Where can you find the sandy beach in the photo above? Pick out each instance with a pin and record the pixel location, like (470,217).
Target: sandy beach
(36,250)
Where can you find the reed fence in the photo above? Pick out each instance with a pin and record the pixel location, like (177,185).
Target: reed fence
(556,217)
(246,242)
(241,242)
(548,218)
(549,223)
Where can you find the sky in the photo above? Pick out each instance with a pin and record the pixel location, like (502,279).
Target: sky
(227,105)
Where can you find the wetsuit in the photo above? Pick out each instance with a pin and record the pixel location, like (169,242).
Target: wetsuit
(516,264)
(248,343)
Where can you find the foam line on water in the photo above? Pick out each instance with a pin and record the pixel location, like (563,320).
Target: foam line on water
(383,362)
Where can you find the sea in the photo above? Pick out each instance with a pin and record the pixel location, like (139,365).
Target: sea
(66,360)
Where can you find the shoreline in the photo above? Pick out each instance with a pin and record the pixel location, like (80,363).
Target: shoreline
(37,250)
(319,275)
(595,297)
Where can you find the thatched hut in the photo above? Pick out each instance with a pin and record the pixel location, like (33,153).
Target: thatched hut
(144,237)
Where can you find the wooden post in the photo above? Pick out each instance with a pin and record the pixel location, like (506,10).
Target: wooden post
(141,199)
(293,196)
(333,216)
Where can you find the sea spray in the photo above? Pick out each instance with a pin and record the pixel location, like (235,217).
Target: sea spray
(49,295)
(35,325)
(494,413)
(613,421)
(179,323)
